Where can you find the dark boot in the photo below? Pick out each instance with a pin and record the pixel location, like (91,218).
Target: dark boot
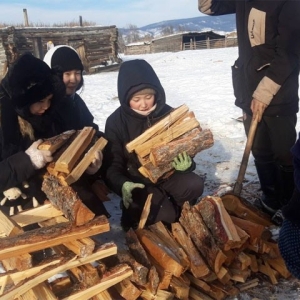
(268,174)
(287,183)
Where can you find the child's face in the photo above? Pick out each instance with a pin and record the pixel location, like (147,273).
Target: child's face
(142,102)
(38,108)
(71,80)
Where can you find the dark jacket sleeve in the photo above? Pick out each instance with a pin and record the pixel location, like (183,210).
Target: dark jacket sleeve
(116,171)
(286,58)
(14,170)
(217,7)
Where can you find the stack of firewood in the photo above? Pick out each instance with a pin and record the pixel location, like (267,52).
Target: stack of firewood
(208,254)
(65,227)
(157,147)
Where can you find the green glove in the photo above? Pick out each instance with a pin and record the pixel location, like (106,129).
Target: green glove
(127,188)
(182,162)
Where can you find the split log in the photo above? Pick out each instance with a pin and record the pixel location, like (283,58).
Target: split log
(166,136)
(54,143)
(180,288)
(191,142)
(86,161)
(206,288)
(128,290)
(67,200)
(244,210)
(219,222)
(67,160)
(42,238)
(86,274)
(157,248)
(145,212)
(161,232)
(160,295)
(82,247)
(194,225)
(136,249)
(156,173)
(153,280)
(198,266)
(162,124)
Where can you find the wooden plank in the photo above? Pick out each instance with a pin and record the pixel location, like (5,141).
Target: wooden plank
(110,279)
(164,123)
(36,215)
(67,160)
(82,247)
(86,161)
(42,238)
(145,212)
(166,136)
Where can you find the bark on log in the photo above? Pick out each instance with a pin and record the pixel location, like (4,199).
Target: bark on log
(194,225)
(192,142)
(67,200)
(219,222)
(54,143)
(156,173)
(198,266)
(136,249)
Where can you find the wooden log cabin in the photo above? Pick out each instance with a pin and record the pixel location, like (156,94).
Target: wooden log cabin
(96,45)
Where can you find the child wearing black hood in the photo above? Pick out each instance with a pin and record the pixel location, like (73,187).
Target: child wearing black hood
(142,104)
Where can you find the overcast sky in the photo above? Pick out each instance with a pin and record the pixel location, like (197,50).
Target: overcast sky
(103,12)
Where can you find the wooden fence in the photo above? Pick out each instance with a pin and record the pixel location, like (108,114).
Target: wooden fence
(210,44)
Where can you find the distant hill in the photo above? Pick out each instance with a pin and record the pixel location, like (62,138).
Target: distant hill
(220,24)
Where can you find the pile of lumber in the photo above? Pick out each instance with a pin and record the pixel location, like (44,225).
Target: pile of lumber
(74,255)
(73,153)
(63,226)
(157,147)
(208,254)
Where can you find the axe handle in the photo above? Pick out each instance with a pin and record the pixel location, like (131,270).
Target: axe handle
(239,182)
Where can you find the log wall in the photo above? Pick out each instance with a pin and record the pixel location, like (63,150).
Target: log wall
(97,44)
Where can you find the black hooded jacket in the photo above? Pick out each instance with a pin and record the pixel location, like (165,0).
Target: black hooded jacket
(124,124)
(267,68)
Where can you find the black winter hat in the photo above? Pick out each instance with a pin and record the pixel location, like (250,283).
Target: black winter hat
(289,246)
(28,80)
(63,57)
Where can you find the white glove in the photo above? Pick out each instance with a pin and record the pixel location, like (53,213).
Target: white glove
(95,164)
(39,158)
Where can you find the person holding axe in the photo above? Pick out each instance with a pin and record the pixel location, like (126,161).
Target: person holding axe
(265,82)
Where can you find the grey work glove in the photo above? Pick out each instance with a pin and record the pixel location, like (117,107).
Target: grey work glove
(39,158)
(127,188)
(96,164)
(182,162)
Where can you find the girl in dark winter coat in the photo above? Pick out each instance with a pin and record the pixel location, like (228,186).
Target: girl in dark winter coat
(143,103)
(289,235)
(28,93)
(72,113)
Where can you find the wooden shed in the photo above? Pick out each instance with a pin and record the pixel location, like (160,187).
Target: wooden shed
(183,41)
(180,41)
(138,48)
(96,45)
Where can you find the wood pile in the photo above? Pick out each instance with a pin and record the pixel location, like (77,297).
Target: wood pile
(74,255)
(64,228)
(208,254)
(157,147)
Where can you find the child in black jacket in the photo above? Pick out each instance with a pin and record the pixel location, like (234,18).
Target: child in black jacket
(142,104)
